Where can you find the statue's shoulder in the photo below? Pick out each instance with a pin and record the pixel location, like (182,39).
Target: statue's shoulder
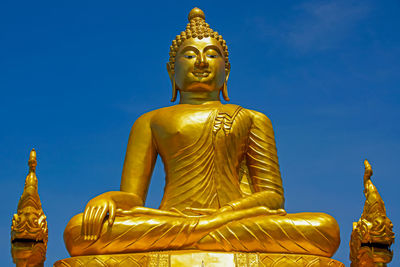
(155,116)
(231,108)
(148,116)
(257,116)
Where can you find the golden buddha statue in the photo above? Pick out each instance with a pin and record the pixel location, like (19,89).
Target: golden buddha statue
(223,187)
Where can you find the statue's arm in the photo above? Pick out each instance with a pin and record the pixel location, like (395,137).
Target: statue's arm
(140,158)
(138,166)
(263,166)
(262,162)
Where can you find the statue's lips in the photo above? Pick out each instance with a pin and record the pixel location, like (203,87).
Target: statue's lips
(201,74)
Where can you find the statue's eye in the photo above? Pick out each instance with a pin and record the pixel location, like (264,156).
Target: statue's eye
(189,56)
(212,56)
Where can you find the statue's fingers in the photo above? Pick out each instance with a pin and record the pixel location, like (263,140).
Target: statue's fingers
(98,222)
(91,221)
(95,222)
(93,225)
(111,213)
(87,223)
(85,220)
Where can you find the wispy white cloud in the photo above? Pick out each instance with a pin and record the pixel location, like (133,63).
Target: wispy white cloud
(316,24)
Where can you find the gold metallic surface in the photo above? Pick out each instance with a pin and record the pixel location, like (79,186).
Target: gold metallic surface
(223,187)
(199,258)
(373,234)
(29,231)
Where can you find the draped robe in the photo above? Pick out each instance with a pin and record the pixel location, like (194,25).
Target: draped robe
(233,161)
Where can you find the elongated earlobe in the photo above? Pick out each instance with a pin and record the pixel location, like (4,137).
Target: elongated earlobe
(225,92)
(174,91)
(225,87)
(171,74)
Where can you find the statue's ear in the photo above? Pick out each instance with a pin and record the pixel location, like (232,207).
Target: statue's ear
(225,87)
(171,74)
(227,72)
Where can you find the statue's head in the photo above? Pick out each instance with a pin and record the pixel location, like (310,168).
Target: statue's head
(198,58)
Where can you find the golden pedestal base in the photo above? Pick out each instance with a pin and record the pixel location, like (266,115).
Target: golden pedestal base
(198,258)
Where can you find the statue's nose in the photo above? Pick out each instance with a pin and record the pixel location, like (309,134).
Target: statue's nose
(201,61)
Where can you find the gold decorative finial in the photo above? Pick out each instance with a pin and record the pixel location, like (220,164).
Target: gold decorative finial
(196,13)
(29,232)
(373,234)
(368,171)
(32,162)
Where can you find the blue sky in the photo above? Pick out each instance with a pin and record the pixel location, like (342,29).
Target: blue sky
(75,75)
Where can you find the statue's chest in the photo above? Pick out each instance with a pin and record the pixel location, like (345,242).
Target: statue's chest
(175,130)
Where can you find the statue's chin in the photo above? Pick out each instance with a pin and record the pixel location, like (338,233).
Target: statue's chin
(199,87)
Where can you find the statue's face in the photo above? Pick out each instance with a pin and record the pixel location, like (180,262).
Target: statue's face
(200,65)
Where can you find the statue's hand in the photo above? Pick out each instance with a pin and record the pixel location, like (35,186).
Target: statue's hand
(98,208)
(95,212)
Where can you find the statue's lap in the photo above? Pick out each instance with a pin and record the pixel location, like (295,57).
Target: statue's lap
(302,233)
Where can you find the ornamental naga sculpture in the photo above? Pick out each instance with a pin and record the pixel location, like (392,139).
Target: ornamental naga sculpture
(29,231)
(223,189)
(372,235)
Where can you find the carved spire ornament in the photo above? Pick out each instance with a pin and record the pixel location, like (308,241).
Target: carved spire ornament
(29,233)
(372,235)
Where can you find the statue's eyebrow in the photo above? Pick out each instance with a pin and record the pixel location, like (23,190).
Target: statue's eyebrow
(189,48)
(216,48)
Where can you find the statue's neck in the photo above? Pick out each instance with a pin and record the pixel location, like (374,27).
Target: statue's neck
(198,98)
